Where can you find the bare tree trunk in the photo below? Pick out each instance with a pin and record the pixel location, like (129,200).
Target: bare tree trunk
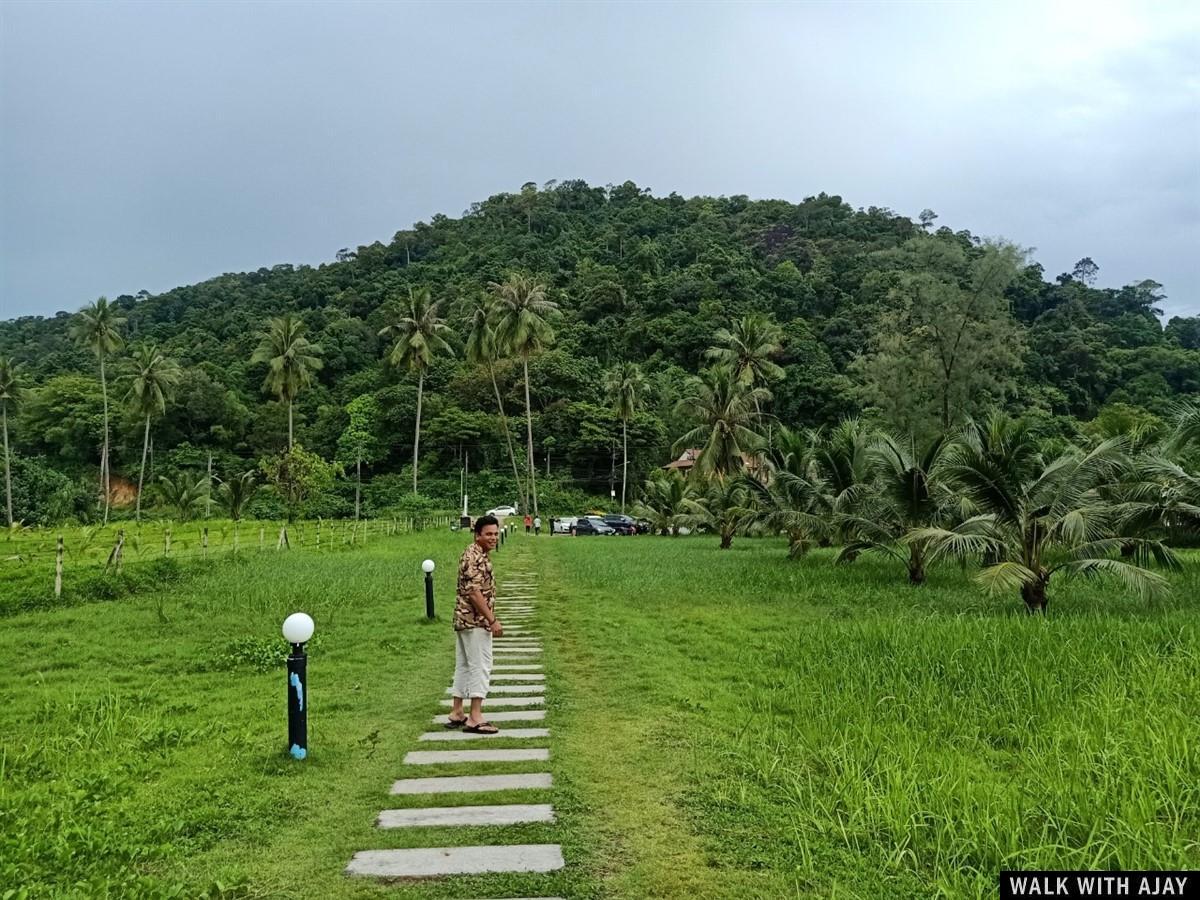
(7,471)
(417,436)
(142,470)
(104,452)
(290,424)
(512,454)
(624,460)
(357,494)
(529,438)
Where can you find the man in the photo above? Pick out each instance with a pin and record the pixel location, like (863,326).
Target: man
(475,624)
(528,523)
(537,525)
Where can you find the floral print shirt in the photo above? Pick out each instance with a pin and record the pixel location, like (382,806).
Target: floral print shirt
(474,571)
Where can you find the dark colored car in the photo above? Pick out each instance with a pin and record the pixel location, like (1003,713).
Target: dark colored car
(621,524)
(591,525)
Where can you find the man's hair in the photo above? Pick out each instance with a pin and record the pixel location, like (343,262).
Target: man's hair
(484,521)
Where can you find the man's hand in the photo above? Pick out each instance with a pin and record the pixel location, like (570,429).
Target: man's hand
(496,628)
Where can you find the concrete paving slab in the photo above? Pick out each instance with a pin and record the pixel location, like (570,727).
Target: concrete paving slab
(518,667)
(501,814)
(507,701)
(473,784)
(517,676)
(511,689)
(431,861)
(434,757)
(515,651)
(516,715)
(459,735)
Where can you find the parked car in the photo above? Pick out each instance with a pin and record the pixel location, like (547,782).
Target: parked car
(564,524)
(501,511)
(621,524)
(591,525)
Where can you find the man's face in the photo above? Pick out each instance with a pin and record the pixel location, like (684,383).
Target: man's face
(489,537)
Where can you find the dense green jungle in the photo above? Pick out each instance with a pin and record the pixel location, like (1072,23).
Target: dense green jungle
(526,315)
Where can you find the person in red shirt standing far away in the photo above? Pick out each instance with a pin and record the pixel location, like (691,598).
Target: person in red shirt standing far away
(475,624)
(528,522)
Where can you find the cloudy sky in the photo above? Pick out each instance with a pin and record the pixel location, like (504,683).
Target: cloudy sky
(148,145)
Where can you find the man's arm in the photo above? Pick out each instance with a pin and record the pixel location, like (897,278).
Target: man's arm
(481,609)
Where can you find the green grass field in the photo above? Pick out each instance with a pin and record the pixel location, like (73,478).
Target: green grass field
(724,724)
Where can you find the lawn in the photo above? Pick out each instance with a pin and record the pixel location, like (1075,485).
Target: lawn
(724,724)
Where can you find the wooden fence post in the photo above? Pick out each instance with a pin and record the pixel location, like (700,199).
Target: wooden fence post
(283,538)
(318,534)
(114,556)
(236,526)
(58,566)
(166,542)
(204,541)
(260,538)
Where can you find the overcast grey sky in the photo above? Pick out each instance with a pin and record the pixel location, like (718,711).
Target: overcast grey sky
(148,145)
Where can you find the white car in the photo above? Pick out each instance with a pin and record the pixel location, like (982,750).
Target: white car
(501,511)
(562,524)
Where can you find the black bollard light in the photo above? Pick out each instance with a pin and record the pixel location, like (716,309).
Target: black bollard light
(297,629)
(427,567)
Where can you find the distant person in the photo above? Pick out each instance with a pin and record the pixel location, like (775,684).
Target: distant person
(552,521)
(475,624)
(537,525)
(528,523)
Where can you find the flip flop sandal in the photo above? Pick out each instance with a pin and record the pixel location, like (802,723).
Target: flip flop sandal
(481,728)
(456,723)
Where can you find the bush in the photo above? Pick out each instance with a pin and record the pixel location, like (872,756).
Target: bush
(44,496)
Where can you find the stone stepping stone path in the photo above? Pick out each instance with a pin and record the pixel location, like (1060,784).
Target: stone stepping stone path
(516,656)
(512,689)
(507,701)
(505,814)
(423,863)
(516,715)
(455,735)
(441,757)
(466,784)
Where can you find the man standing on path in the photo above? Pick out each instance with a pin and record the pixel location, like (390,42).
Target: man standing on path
(528,522)
(537,525)
(475,624)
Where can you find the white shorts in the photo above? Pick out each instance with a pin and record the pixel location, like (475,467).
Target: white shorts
(472,663)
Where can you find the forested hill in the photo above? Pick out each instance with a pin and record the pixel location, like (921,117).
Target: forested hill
(864,299)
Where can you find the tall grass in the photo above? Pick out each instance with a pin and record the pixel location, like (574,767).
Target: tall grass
(849,735)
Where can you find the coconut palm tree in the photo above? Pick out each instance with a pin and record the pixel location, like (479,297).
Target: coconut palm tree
(151,378)
(625,384)
(418,334)
(234,494)
(98,327)
(183,495)
(1186,431)
(291,361)
(906,493)
(727,415)
(794,498)
(746,348)
(663,500)
(720,507)
(522,329)
(1036,518)
(481,350)
(11,394)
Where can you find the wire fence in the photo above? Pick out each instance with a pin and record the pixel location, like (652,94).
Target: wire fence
(53,551)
